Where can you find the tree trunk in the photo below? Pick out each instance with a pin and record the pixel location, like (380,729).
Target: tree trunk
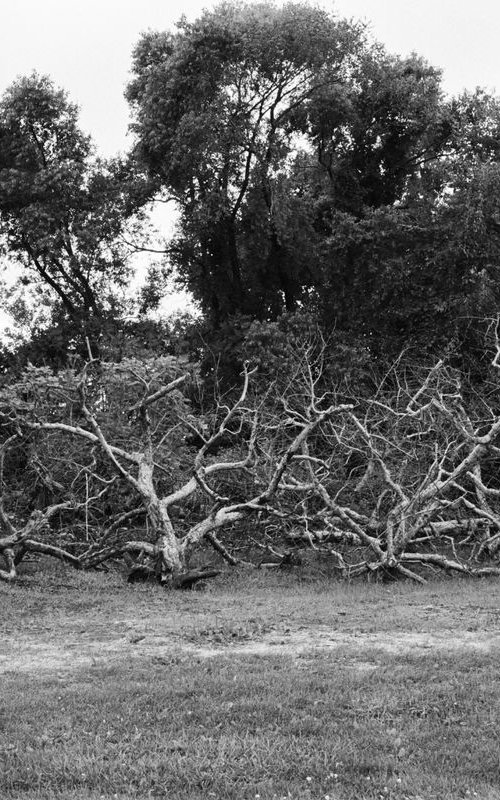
(169,558)
(226,281)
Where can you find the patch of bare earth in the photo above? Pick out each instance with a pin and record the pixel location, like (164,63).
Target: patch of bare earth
(41,653)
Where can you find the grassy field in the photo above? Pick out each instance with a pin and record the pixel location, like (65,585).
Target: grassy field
(260,687)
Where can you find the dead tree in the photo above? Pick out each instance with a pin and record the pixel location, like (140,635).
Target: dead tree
(18,540)
(421,495)
(417,499)
(170,549)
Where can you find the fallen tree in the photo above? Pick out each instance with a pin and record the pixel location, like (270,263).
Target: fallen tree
(393,484)
(399,477)
(168,551)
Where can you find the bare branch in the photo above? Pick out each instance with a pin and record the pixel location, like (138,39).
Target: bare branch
(141,405)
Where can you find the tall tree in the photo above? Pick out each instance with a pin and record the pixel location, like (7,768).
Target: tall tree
(423,269)
(215,105)
(62,211)
(263,122)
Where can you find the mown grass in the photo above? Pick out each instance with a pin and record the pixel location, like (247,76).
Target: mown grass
(241,727)
(345,724)
(62,598)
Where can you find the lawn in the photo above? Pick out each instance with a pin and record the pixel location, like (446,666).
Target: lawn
(109,691)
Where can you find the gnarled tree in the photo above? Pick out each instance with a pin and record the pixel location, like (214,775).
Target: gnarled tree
(224,489)
(392,483)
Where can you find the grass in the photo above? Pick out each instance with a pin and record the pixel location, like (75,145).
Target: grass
(345,724)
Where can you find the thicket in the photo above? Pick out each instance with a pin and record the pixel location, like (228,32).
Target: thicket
(119,459)
(338,228)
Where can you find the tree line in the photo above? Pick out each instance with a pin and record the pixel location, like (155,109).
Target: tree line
(327,192)
(312,171)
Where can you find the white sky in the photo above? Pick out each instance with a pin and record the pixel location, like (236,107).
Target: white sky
(85,46)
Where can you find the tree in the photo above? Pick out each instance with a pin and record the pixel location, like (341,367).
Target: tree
(63,212)
(265,122)
(315,170)
(420,274)
(224,487)
(389,484)
(372,139)
(214,105)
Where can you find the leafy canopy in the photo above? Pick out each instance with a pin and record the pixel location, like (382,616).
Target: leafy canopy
(62,211)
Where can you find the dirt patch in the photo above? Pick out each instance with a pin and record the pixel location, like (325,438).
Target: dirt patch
(39,655)
(316,640)
(96,620)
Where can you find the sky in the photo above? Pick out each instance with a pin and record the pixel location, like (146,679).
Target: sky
(86,47)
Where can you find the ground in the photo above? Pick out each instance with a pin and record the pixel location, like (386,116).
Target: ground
(261,686)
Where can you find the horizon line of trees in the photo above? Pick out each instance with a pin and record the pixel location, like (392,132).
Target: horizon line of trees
(313,173)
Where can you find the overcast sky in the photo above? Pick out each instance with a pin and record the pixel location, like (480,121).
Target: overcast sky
(85,46)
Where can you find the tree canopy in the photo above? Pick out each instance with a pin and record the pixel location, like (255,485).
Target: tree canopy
(265,122)
(63,211)
(219,106)
(313,171)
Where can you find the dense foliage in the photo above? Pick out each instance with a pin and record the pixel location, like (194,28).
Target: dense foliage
(63,215)
(336,210)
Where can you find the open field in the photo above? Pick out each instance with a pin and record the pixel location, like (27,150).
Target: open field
(261,686)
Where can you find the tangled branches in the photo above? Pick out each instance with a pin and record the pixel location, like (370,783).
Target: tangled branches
(399,482)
